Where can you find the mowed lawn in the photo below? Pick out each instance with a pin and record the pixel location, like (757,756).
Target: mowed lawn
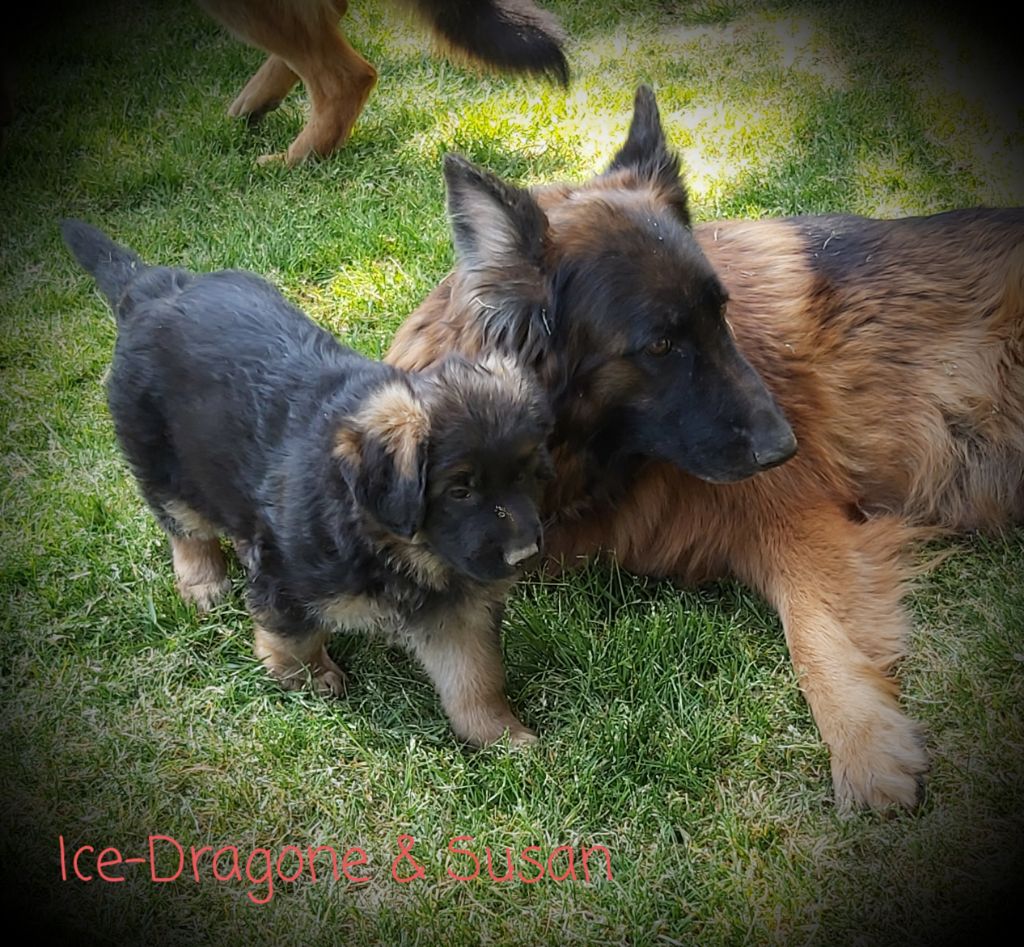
(673,732)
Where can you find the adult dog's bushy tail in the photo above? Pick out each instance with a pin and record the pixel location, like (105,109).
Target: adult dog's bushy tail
(113,267)
(514,35)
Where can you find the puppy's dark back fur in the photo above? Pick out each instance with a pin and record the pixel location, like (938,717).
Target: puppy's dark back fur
(221,364)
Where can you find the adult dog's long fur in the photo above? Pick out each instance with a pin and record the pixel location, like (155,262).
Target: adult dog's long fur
(359,497)
(305,41)
(895,348)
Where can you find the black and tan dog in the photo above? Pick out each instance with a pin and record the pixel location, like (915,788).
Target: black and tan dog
(305,42)
(358,496)
(895,349)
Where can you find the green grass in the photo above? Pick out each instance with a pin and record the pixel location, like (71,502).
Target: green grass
(673,731)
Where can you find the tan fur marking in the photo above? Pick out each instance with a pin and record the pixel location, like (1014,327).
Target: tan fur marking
(394,416)
(462,655)
(298,663)
(200,570)
(348,445)
(191,522)
(355,613)
(417,559)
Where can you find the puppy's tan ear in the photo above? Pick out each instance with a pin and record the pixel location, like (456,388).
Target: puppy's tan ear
(382,455)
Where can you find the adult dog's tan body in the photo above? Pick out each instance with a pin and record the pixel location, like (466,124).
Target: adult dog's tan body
(896,350)
(904,381)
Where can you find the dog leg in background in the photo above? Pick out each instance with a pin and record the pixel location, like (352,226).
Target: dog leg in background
(462,655)
(297,661)
(265,91)
(839,593)
(304,40)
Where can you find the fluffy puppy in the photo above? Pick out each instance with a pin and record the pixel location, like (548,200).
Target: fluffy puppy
(357,496)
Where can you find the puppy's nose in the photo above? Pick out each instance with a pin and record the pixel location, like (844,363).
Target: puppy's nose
(514,557)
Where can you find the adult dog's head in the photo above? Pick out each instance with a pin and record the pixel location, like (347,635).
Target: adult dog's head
(451,464)
(602,288)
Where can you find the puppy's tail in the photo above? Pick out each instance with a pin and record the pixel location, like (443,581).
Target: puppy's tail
(113,267)
(513,35)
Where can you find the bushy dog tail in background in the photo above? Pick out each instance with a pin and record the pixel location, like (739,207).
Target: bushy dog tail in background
(512,35)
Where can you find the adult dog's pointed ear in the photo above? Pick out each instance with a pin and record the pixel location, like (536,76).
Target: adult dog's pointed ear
(501,241)
(647,155)
(382,456)
(493,220)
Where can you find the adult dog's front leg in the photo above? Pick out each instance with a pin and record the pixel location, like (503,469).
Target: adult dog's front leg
(461,651)
(837,585)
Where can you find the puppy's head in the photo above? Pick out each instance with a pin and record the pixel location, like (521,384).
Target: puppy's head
(603,289)
(454,460)
(488,463)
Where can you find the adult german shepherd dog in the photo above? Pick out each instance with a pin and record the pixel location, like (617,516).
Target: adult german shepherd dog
(895,349)
(305,42)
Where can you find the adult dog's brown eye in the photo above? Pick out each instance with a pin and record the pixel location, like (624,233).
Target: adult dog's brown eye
(661,347)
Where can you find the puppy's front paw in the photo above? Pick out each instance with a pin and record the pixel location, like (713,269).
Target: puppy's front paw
(322,676)
(199,570)
(522,737)
(485,730)
(298,664)
(881,765)
(204,595)
(326,677)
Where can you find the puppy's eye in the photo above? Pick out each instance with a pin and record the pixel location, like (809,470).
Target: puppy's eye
(460,493)
(660,347)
